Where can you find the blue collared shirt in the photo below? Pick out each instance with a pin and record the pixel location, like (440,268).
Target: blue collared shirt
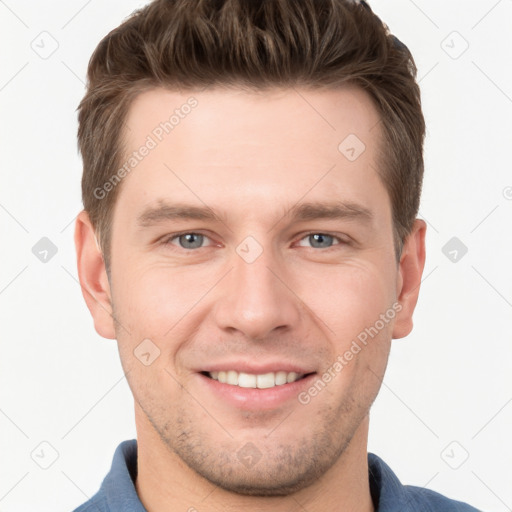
(118,494)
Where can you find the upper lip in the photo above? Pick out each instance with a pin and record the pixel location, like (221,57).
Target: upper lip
(257,368)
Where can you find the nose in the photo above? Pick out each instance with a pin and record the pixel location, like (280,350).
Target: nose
(255,298)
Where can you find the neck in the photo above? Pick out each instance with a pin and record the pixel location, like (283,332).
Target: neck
(165,482)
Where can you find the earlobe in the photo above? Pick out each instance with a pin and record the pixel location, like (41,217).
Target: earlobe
(93,277)
(412,263)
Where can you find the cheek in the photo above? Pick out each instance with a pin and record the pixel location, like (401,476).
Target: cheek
(154,301)
(162,305)
(356,303)
(348,298)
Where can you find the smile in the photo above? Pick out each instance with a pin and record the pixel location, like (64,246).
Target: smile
(261,381)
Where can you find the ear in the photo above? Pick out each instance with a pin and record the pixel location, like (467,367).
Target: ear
(412,262)
(93,276)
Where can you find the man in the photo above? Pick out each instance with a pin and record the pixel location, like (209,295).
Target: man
(252,176)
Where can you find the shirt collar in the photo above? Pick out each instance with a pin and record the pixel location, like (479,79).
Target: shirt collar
(118,486)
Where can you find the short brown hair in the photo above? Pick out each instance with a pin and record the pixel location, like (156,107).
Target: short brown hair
(253,44)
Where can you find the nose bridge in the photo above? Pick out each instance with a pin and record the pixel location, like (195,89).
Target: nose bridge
(254,299)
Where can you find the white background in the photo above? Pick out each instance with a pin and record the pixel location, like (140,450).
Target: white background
(449,381)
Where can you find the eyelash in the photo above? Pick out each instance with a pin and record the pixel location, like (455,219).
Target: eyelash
(168,240)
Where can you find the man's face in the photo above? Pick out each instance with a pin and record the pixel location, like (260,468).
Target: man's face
(260,289)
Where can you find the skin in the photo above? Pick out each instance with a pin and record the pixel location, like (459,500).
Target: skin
(250,157)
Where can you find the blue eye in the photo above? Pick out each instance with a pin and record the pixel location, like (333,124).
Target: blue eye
(192,240)
(321,240)
(188,240)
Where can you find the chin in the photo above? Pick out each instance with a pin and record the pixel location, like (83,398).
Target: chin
(264,482)
(282,470)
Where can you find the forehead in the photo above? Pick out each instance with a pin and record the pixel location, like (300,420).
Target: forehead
(207,145)
(327,114)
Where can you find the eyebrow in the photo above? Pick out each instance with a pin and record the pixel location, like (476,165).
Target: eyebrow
(330,210)
(300,212)
(164,211)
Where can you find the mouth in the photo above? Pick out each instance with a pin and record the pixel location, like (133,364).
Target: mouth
(255,381)
(252,388)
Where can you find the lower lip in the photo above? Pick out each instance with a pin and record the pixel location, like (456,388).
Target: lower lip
(255,398)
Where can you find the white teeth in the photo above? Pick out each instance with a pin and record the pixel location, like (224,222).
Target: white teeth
(291,377)
(232,378)
(280,378)
(248,380)
(267,380)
